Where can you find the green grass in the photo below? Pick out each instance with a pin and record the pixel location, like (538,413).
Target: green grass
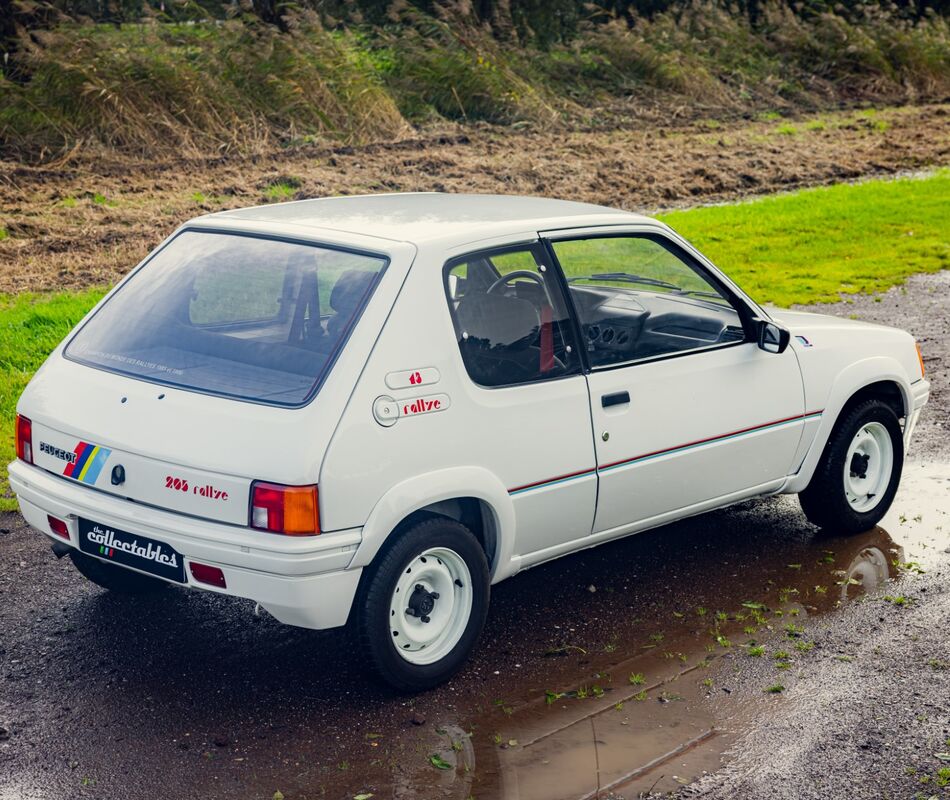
(805,247)
(30,327)
(815,245)
(280,191)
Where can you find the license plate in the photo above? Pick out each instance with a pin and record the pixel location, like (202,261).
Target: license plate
(131,550)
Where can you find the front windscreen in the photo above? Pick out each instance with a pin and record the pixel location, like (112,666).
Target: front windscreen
(240,316)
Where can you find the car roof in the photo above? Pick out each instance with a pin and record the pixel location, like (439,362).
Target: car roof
(428,216)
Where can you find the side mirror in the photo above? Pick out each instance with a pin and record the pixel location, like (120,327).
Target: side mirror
(772,337)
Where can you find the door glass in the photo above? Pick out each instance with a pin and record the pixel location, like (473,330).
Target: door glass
(510,318)
(637,297)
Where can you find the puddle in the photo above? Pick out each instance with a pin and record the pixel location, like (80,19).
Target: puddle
(650,717)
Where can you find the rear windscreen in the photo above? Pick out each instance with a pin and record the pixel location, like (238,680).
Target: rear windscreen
(241,316)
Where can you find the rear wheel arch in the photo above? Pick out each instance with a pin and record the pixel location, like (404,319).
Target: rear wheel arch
(472,496)
(472,512)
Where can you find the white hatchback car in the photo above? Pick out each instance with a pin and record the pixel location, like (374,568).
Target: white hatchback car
(476,384)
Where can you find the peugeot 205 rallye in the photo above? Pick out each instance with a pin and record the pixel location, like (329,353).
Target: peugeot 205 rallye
(368,410)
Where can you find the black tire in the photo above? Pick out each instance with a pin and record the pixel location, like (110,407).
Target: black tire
(113,578)
(371,618)
(824,500)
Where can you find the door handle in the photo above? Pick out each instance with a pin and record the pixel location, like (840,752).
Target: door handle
(615,399)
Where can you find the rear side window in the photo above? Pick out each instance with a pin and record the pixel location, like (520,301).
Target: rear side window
(239,316)
(510,318)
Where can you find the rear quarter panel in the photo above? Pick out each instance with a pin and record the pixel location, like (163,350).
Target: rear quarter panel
(374,476)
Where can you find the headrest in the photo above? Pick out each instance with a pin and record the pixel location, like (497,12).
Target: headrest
(350,288)
(498,319)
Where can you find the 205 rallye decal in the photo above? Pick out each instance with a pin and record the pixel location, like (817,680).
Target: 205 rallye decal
(82,464)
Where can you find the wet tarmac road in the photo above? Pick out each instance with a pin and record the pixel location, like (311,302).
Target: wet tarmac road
(190,695)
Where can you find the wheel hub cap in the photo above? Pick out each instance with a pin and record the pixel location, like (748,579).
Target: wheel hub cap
(859,465)
(421,603)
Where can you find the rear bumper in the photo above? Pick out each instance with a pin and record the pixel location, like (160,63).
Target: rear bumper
(299,580)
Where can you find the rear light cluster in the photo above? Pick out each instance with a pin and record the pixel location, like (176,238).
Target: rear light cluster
(24,439)
(291,510)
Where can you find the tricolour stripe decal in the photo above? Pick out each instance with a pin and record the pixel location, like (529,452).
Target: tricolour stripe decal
(657,453)
(551,481)
(82,456)
(90,459)
(94,467)
(89,462)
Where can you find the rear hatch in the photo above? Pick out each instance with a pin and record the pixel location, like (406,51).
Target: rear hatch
(198,375)
(111,469)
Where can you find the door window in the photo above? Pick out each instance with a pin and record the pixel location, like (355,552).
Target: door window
(641,297)
(510,318)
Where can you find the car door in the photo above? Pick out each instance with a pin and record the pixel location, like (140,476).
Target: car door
(687,409)
(526,395)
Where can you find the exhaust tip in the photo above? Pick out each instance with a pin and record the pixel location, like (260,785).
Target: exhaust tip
(60,549)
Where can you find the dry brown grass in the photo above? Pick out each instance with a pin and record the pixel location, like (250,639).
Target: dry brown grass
(88,223)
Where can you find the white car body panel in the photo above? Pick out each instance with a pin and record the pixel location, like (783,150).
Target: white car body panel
(702,430)
(483,429)
(688,416)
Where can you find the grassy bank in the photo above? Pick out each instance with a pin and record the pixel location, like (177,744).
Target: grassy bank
(816,245)
(167,89)
(806,247)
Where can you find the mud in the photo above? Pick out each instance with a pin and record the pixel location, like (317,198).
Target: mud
(88,222)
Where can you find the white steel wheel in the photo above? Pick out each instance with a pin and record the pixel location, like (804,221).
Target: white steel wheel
(430,606)
(857,476)
(868,466)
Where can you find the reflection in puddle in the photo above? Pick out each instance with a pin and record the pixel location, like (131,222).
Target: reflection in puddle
(651,718)
(623,737)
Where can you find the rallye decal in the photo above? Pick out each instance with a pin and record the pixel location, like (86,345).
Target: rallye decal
(89,461)
(424,405)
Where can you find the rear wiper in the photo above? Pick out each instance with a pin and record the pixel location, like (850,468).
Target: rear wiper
(626,277)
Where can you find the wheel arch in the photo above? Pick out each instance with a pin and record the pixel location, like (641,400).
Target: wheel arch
(881,378)
(470,495)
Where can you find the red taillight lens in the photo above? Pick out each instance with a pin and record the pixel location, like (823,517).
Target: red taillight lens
(202,573)
(292,510)
(24,439)
(58,526)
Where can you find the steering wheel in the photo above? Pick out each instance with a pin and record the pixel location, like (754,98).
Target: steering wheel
(518,273)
